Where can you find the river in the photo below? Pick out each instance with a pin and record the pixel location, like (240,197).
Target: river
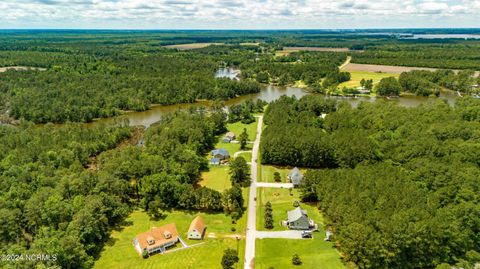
(269,93)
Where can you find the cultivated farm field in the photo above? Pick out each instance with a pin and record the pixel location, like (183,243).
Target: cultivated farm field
(191,46)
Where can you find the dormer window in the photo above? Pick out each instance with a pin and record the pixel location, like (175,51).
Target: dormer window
(167,235)
(150,240)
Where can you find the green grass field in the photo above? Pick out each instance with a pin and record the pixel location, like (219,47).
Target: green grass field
(238,127)
(314,253)
(120,253)
(357,76)
(265,173)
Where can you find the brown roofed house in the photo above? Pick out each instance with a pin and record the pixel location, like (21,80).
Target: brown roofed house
(197,228)
(157,239)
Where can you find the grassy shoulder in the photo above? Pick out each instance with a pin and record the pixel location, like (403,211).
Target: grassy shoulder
(120,253)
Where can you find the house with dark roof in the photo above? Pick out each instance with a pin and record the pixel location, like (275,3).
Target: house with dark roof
(215,161)
(197,228)
(221,154)
(297,219)
(295,176)
(157,240)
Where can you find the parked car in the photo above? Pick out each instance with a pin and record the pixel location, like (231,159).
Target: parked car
(306,234)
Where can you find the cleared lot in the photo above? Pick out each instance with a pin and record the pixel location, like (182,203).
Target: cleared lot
(382,68)
(191,46)
(21,68)
(390,69)
(327,49)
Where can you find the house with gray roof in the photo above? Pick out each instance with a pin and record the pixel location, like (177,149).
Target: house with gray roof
(221,154)
(295,176)
(297,219)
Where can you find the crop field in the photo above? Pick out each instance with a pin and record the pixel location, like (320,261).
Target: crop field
(20,68)
(191,46)
(390,69)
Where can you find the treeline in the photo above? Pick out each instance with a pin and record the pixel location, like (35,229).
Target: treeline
(435,54)
(427,83)
(83,83)
(402,185)
(64,188)
(297,135)
(310,67)
(49,203)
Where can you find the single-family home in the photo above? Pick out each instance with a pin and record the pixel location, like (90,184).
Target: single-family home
(197,228)
(157,240)
(215,161)
(229,137)
(221,154)
(297,219)
(295,176)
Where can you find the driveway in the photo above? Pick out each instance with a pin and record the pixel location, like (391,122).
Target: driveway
(274,185)
(288,234)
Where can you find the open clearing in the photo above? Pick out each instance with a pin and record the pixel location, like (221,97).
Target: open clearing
(120,253)
(21,68)
(391,69)
(326,49)
(357,76)
(191,46)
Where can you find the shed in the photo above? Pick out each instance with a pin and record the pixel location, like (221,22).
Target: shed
(215,161)
(197,228)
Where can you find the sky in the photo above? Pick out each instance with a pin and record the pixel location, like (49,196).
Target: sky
(238,14)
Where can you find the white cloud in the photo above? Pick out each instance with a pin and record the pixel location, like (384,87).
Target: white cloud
(236,13)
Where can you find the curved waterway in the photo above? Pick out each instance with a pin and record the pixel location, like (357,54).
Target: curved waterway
(269,93)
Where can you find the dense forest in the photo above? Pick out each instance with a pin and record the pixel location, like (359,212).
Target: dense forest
(438,55)
(401,188)
(92,74)
(80,85)
(64,188)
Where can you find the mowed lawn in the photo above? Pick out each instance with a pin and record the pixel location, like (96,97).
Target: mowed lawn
(120,253)
(277,253)
(357,76)
(314,253)
(266,172)
(282,201)
(217,177)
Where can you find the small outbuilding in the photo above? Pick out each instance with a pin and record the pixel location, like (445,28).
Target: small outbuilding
(229,137)
(221,154)
(295,176)
(197,228)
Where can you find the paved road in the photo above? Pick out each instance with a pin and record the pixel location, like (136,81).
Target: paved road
(274,185)
(288,234)
(252,204)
